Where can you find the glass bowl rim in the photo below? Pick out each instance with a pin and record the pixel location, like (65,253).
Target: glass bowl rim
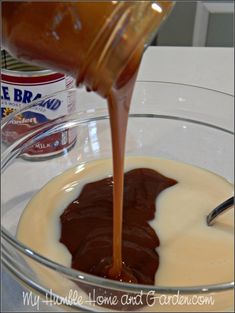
(95,280)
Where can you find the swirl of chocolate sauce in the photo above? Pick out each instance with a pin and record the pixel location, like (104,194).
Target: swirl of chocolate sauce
(87,226)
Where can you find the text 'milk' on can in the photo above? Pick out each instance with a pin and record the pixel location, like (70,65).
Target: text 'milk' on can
(20,85)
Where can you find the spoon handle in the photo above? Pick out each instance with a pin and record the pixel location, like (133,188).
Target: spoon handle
(223,207)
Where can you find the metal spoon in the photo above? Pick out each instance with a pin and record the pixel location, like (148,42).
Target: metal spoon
(223,207)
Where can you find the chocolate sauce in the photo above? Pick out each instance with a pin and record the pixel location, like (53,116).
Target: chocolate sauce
(67,40)
(119,101)
(87,226)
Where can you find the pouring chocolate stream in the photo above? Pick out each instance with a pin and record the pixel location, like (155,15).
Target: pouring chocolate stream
(101,45)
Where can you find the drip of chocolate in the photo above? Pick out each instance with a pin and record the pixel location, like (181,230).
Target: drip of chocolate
(87,226)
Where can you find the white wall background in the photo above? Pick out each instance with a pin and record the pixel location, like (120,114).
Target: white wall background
(199,23)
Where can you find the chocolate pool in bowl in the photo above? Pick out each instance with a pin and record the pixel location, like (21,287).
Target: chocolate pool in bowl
(168,137)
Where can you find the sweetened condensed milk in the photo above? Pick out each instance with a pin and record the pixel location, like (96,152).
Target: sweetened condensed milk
(186,251)
(22,84)
(100,45)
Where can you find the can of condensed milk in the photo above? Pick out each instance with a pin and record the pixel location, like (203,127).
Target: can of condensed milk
(20,85)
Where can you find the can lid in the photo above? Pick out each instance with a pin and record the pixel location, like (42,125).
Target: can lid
(10,63)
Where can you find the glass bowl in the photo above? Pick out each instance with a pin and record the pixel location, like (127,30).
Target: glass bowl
(167,120)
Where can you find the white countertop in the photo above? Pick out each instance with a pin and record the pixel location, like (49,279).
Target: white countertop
(205,67)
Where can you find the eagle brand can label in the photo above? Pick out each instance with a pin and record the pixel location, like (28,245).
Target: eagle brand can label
(19,88)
